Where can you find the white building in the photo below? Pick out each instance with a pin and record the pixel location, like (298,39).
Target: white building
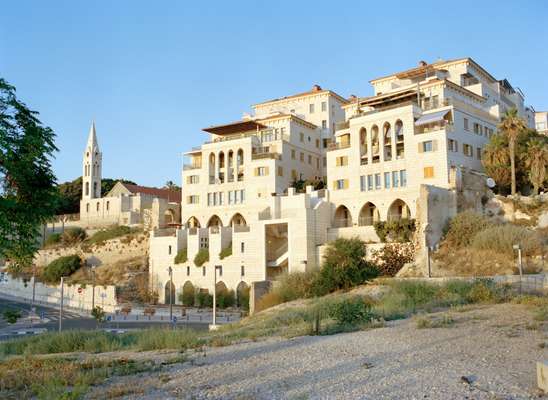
(412,150)
(541,122)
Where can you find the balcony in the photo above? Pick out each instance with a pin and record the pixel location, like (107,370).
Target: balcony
(187,167)
(262,156)
(339,126)
(434,128)
(337,146)
(433,104)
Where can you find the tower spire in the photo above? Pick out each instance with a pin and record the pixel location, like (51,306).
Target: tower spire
(92,137)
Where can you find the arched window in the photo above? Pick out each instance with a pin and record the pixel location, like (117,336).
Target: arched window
(398,210)
(95,189)
(87,188)
(387,141)
(97,207)
(87,207)
(239,164)
(214,221)
(343,218)
(375,143)
(400,146)
(369,214)
(363,146)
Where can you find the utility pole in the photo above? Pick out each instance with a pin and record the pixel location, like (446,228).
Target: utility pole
(213,326)
(170,293)
(61,305)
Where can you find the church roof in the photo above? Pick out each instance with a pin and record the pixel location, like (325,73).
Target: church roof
(171,196)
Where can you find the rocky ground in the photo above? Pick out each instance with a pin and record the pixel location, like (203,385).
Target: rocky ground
(482,353)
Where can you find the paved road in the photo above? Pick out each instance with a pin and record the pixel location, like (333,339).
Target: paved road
(71,320)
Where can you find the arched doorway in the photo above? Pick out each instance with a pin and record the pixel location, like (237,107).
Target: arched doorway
(214,221)
(369,214)
(398,210)
(169,217)
(193,223)
(169,293)
(242,294)
(343,218)
(237,220)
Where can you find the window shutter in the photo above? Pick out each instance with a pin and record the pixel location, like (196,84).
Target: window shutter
(266,171)
(334,185)
(256,171)
(346,183)
(421,149)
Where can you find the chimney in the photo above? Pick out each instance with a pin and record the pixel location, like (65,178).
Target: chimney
(422,63)
(316,88)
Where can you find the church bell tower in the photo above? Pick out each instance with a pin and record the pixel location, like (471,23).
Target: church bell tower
(92,167)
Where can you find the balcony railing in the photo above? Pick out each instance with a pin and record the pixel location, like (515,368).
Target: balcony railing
(188,167)
(342,223)
(241,228)
(337,146)
(366,221)
(432,105)
(433,128)
(261,156)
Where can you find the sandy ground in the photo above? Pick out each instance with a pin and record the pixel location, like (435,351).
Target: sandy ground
(496,348)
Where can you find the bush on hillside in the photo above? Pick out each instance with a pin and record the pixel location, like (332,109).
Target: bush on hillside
(181,256)
(392,257)
(201,257)
(226,252)
(344,267)
(52,240)
(462,228)
(352,311)
(63,266)
(400,230)
(188,296)
(502,238)
(243,298)
(73,235)
(111,233)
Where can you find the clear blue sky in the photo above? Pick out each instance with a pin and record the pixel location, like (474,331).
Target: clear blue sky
(153,73)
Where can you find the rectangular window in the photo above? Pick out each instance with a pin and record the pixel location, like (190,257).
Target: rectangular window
(310,159)
(326,143)
(466,128)
(311,108)
(221,198)
(342,161)
(363,186)
(169,250)
(292,154)
(324,124)
(339,184)
(293,174)
(194,199)
(108,205)
(280,171)
(203,271)
(428,172)
(403,178)
(324,106)
(187,270)
(317,143)
(192,179)
(242,195)
(242,270)
(477,128)
(478,153)
(452,145)
(242,247)
(467,150)
(395,179)
(369,182)
(318,162)
(377,181)
(230,197)
(387,180)
(301,137)
(427,146)
(325,161)
(302,156)
(261,171)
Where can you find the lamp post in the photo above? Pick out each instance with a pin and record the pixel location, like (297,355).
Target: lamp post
(214,325)
(170,270)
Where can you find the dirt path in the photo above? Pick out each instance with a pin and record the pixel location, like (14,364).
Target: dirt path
(495,348)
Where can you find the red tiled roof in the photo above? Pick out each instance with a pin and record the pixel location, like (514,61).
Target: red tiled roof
(171,196)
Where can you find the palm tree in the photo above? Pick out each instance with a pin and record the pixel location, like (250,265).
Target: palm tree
(536,160)
(511,126)
(495,160)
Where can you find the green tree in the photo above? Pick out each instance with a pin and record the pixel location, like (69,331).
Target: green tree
(11,316)
(99,314)
(495,160)
(536,161)
(28,196)
(511,126)
(172,186)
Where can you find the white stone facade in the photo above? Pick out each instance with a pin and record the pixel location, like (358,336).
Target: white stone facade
(379,157)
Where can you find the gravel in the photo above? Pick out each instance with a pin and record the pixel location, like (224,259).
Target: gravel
(488,353)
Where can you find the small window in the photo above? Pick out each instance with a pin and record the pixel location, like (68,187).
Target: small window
(341,161)
(324,124)
(203,271)
(187,270)
(311,108)
(395,179)
(280,171)
(340,184)
(466,128)
(310,159)
(220,270)
(403,178)
(169,250)
(242,270)
(97,207)
(363,186)
(301,137)
(387,180)
(428,172)
(377,181)
(369,182)
(242,247)
(293,154)
(108,205)
(324,106)
(317,143)
(427,146)
(302,156)
(87,207)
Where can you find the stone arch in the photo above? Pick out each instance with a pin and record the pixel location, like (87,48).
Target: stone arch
(343,218)
(193,222)
(400,140)
(363,145)
(387,141)
(398,210)
(241,292)
(238,220)
(221,287)
(169,293)
(375,148)
(369,214)
(212,164)
(169,217)
(214,221)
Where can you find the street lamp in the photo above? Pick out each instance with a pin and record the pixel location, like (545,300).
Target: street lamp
(214,325)
(170,270)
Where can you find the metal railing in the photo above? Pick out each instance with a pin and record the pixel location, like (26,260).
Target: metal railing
(337,146)
(366,221)
(187,167)
(342,223)
(432,105)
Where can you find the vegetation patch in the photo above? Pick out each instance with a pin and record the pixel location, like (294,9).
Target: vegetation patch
(400,230)
(201,257)
(392,257)
(63,266)
(181,257)
(429,322)
(100,237)
(226,252)
(502,238)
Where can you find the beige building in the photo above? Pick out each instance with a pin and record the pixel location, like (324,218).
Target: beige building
(541,122)
(125,204)
(412,150)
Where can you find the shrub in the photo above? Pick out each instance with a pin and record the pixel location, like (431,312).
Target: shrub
(201,257)
(352,311)
(204,299)
(226,252)
(53,239)
(11,316)
(111,233)
(462,228)
(187,297)
(181,256)
(243,298)
(63,266)
(225,298)
(391,258)
(73,235)
(501,238)
(400,230)
(344,267)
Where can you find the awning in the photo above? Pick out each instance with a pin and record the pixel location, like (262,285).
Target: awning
(431,118)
